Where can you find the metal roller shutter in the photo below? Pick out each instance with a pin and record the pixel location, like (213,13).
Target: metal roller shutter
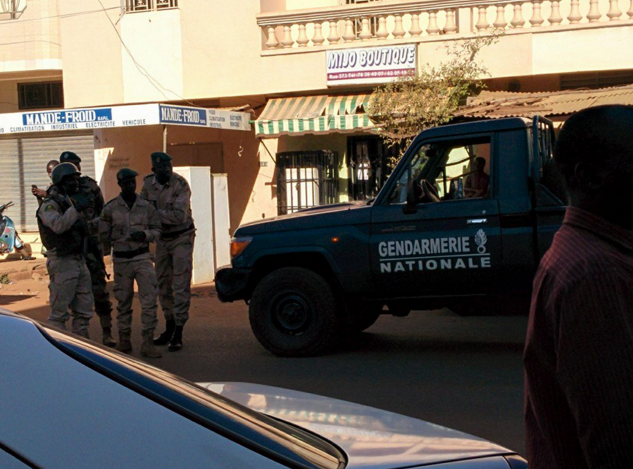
(23,163)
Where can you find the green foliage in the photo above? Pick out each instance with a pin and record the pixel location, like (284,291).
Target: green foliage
(404,108)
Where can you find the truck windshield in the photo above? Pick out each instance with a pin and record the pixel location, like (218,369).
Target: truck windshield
(411,173)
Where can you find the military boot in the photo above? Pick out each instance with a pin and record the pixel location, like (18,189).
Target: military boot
(148,349)
(175,343)
(124,344)
(165,337)
(108,341)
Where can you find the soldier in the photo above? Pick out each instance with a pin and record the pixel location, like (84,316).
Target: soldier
(170,194)
(128,224)
(63,232)
(90,193)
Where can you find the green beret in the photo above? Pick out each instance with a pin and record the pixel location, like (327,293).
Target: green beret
(159,156)
(69,157)
(126,173)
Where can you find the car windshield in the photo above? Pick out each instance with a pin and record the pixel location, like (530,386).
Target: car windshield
(411,173)
(278,440)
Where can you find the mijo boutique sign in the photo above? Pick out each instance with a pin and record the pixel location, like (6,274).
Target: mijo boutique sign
(370,65)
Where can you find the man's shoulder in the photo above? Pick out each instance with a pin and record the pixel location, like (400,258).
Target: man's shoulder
(141,202)
(179,180)
(49,204)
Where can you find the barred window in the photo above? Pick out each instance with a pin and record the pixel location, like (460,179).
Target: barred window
(150,5)
(40,95)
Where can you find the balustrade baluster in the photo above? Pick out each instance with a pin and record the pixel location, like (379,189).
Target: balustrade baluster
(594,11)
(517,19)
(333,36)
(537,18)
(482,20)
(451,25)
(287,41)
(365,32)
(500,20)
(554,18)
(433,29)
(398,30)
(302,39)
(630,12)
(272,41)
(614,10)
(574,14)
(382,32)
(349,35)
(318,38)
(415,25)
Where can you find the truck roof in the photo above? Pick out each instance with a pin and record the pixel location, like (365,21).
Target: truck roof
(491,125)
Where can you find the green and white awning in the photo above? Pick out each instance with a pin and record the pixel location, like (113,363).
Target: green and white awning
(314,115)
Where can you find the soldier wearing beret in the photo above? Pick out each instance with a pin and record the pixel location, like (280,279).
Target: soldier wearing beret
(128,224)
(90,195)
(171,195)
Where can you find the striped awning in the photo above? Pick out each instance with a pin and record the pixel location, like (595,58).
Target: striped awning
(314,115)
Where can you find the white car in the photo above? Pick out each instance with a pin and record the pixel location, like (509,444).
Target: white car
(69,403)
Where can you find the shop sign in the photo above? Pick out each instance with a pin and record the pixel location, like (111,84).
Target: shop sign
(370,65)
(121,116)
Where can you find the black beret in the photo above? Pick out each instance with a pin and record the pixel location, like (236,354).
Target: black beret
(125,173)
(159,156)
(69,157)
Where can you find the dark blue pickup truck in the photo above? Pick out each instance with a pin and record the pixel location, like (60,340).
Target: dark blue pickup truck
(461,223)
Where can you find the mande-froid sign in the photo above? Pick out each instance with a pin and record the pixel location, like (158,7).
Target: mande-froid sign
(370,65)
(122,116)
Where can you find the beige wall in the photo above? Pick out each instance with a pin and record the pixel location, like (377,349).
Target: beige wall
(131,147)
(32,41)
(92,54)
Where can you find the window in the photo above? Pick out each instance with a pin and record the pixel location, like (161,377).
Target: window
(40,95)
(149,5)
(447,171)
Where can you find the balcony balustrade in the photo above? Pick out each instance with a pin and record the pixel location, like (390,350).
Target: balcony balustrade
(422,20)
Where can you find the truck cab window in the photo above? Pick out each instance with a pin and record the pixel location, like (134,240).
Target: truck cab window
(455,170)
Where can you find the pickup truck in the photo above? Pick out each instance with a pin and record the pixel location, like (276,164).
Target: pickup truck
(462,222)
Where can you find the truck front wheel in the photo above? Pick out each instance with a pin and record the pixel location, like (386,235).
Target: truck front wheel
(293,312)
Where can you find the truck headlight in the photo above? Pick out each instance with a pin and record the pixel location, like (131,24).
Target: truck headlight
(238,245)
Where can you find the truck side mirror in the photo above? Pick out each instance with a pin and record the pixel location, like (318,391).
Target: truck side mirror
(412,198)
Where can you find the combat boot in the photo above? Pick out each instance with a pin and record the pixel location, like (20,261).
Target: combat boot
(124,344)
(108,341)
(165,337)
(148,349)
(175,343)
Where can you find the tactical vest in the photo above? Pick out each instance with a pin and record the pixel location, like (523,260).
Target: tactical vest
(66,243)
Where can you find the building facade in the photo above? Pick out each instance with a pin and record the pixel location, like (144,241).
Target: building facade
(301,70)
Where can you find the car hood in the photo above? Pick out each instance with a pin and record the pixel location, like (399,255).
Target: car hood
(370,437)
(348,213)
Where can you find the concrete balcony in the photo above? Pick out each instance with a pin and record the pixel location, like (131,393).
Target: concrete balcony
(393,21)
(538,37)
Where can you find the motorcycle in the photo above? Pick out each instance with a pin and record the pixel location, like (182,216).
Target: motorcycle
(9,239)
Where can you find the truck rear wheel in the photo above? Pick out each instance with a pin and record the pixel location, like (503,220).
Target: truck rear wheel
(293,312)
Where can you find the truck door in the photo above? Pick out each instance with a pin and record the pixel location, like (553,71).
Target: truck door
(451,243)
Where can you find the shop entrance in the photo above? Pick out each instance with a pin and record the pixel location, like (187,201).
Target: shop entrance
(306,179)
(367,158)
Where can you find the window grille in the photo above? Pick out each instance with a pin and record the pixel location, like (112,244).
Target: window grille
(306,179)
(11,9)
(150,5)
(40,95)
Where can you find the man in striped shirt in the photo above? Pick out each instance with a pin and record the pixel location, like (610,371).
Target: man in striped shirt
(579,349)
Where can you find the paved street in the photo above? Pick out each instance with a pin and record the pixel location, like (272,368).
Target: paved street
(465,373)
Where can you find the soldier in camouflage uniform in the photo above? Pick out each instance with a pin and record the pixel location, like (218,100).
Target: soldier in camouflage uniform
(63,232)
(90,194)
(128,224)
(170,194)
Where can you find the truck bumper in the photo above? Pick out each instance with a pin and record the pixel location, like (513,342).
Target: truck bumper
(230,283)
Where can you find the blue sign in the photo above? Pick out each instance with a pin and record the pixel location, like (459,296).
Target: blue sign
(74,116)
(183,115)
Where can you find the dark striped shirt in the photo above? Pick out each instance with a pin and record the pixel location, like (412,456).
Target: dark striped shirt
(579,349)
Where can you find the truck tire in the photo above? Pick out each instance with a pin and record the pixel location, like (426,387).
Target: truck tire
(293,312)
